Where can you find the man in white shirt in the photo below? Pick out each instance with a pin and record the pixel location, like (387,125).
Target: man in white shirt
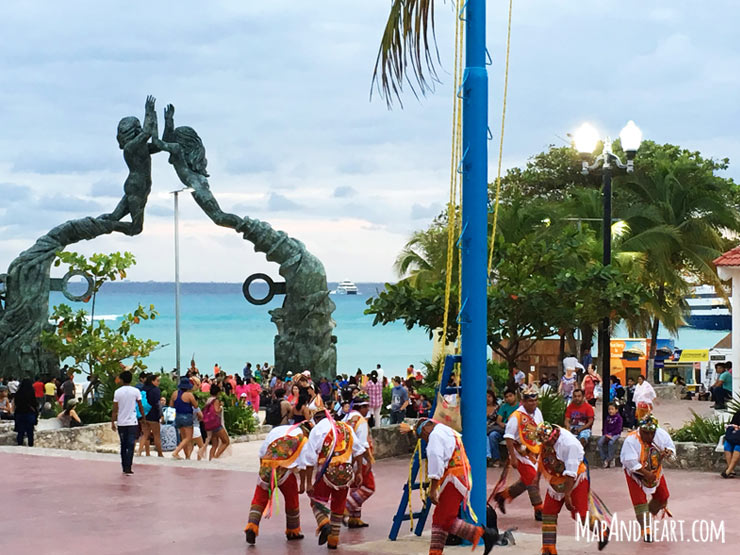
(642,456)
(523,448)
(561,463)
(125,400)
(280,459)
(332,446)
(448,470)
(358,494)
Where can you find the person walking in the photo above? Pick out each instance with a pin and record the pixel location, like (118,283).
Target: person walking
(214,424)
(184,402)
(399,401)
(643,398)
(374,390)
(153,395)
(26,411)
(125,401)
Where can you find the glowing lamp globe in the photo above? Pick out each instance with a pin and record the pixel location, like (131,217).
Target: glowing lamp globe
(586,138)
(630,137)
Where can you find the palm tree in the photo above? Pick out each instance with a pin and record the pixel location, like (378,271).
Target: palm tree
(423,260)
(678,213)
(407,50)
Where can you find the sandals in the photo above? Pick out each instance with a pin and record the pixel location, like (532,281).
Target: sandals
(725,475)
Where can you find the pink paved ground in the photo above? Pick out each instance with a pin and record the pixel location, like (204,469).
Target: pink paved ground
(59,506)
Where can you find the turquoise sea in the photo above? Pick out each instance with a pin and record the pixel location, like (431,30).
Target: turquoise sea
(219,326)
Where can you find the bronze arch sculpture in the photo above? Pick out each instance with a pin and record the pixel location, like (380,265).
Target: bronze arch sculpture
(304,339)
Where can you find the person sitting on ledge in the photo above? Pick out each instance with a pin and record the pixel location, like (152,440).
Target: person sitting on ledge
(579,417)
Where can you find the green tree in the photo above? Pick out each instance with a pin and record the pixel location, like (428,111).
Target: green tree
(97,349)
(539,284)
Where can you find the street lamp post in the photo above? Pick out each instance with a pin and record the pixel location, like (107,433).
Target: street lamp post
(607,163)
(177,275)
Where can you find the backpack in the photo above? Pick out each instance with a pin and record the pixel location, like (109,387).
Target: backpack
(274,414)
(211,419)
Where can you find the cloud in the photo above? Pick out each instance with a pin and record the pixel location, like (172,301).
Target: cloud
(106,188)
(10,192)
(158,210)
(69,203)
(344,191)
(277,203)
(425,212)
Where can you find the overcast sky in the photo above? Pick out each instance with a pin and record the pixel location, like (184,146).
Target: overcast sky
(279,92)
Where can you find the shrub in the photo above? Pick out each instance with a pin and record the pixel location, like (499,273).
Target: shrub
(499,371)
(701,430)
(553,407)
(239,420)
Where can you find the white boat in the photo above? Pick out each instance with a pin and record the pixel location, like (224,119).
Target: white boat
(707,310)
(346,287)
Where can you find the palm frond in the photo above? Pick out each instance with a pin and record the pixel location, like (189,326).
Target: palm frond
(407,51)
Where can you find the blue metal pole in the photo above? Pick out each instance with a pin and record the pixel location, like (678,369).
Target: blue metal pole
(474,249)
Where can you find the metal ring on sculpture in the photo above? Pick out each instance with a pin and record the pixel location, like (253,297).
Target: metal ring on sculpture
(271,289)
(88,292)
(3,287)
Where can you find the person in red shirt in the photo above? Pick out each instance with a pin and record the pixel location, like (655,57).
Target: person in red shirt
(38,389)
(579,417)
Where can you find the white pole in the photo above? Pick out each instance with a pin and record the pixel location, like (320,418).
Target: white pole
(177,282)
(735,355)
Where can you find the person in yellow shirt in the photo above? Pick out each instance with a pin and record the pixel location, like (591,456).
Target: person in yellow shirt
(50,391)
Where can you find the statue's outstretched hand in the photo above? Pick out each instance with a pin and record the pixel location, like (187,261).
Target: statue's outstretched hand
(149,105)
(169,111)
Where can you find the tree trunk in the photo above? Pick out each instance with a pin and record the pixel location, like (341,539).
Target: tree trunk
(653,348)
(561,354)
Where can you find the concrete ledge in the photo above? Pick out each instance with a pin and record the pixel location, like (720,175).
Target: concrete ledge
(388,441)
(667,391)
(700,457)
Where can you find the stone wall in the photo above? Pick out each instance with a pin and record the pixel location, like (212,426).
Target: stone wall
(84,438)
(388,441)
(667,391)
(689,456)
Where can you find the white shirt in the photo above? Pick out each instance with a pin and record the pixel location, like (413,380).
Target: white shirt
(127,397)
(569,450)
(545,388)
(572,362)
(632,448)
(316,441)
(13,386)
(440,448)
(278,432)
(644,393)
(512,431)
(381,373)
(362,430)
(519,378)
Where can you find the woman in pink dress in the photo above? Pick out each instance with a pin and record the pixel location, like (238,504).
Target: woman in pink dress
(253,393)
(240,388)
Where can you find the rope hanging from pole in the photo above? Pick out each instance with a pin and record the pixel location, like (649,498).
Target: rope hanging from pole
(453,214)
(501,142)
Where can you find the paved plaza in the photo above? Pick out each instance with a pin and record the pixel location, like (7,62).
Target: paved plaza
(58,502)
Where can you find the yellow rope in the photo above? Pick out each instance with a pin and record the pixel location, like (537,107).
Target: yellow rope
(501,143)
(452,212)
